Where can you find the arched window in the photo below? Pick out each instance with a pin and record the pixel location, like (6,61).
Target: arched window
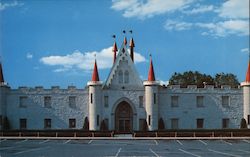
(120,76)
(126,77)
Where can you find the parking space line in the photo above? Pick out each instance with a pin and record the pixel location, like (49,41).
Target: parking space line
(227,142)
(245,151)
(119,150)
(44,141)
(223,153)
(184,151)
(156,142)
(246,141)
(90,142)
(21,141)
(203,142)
(66,142)
(179,142)
(30,150)
(153,152)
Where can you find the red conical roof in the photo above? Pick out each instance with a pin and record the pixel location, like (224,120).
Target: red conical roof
(95,75)
(125,41)
(151,73)
(248,73)
(132,44)
(1,73)
(114,47)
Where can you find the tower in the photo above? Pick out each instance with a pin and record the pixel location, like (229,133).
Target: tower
(151,99)
(95,97)
(132,45)
(246,96)
(114,50)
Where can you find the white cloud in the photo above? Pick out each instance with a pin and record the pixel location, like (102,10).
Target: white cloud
(4,6)
(200,9)
(234,9)
(29,56)
(149,8)
(177,25)
(246,50)
(84,61)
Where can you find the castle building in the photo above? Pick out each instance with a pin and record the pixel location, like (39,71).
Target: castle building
(123,102)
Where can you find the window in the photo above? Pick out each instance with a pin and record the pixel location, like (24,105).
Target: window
(175,123)
(47,101)
(47,123)
(199,101)
(248,119)
(23,123)
(91,98)
(225,101)
(154,98)
(23,101)
(141,101)
(120,76)
(97,120)
(126,77)
(72,123)
(199,123)
(149,119)
(174,101)
(225,123)
(72,101)
(106,101)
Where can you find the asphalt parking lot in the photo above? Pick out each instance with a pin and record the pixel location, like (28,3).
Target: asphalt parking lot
(115,148)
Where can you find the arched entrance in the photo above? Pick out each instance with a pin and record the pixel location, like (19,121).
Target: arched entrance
(124,117)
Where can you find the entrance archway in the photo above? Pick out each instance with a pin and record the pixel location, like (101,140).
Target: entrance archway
(124,118)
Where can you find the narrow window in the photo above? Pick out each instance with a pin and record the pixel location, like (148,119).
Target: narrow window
(126,77)
(106,101)
(23,123)
(141,101)
(225,123)
(72,101)
(72,123)
(120,76)
(23,101)
(91,98)
(149,119)
(97,120)
(47,123)
(174,101)
(154,98)
(200,101)
(225,101)
(47,101)
(174,123)
(199,123)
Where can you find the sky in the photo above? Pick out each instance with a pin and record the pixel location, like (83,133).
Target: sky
(53,43)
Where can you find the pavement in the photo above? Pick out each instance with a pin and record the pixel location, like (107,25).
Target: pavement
(124,147)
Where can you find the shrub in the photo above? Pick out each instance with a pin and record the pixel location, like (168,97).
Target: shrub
(86,124)
(161,125)
(243,123)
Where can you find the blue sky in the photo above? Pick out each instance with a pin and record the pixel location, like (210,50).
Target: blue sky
(50,42)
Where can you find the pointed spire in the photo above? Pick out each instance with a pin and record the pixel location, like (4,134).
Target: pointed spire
(248,72)
(125,41)
(114,50)
(95,75)
(151,74)
(132,45)
(1,73)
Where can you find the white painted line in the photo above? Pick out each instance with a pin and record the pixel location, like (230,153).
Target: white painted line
(246,141)
(30,150)
(66,142)
(203,142)
(119,150)
(90,142)
(44,141)
(223,153)
(189,153)
(21,141)
(179,142)
(227,142)
(156,142)
(245,151)
(153,152)
(8,148)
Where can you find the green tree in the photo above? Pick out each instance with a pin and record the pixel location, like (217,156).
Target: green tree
(243,123)
(226,79)
(86,124)
(161,125)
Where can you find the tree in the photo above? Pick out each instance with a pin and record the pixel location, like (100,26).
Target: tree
(103,126)
(243,123)
(6,124)
(226,79)
(161,125)
(86,124)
